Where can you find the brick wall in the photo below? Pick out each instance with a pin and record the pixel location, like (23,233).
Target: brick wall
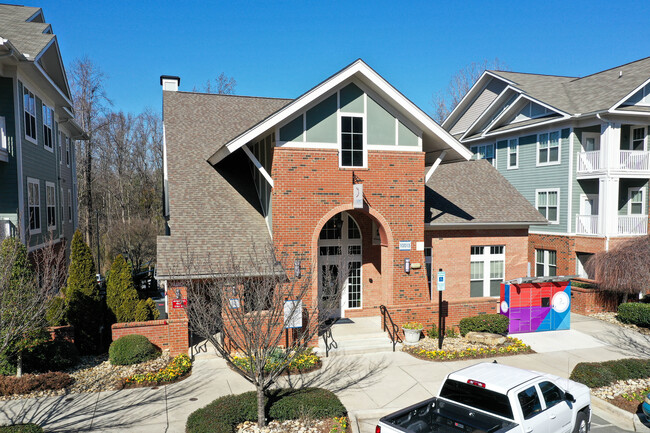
(171,333)
(589,301)
(62,333)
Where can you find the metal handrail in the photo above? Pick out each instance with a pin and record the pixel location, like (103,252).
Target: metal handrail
(331,344)
(393,332)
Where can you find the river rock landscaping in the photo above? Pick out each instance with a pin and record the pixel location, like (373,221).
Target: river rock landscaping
(611,317)
(328,425)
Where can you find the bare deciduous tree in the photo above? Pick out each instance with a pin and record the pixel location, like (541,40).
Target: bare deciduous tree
(27,285)
(223,85)
(241,308)
(445,101)
(624,269)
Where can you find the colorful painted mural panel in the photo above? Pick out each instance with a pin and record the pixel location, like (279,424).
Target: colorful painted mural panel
(533,307)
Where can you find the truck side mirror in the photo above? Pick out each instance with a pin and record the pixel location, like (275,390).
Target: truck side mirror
(569,397)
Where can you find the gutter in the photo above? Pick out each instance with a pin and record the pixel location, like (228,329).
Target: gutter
(470,226)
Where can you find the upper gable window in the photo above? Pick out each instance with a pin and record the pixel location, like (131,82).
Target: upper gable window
(642,97)
(484,151)
(352,148)
(48,127)
(29,106)
(532,111)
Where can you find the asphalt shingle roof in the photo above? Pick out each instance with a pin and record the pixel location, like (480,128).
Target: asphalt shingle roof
(27,37)
(212,210)
(475,192)
(581,95)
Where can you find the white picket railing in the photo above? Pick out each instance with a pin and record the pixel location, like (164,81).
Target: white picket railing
(589,161)
(635,160)
(633,224)
(587,224)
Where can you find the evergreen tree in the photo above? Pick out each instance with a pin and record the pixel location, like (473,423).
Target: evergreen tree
(121,295)
(82,295)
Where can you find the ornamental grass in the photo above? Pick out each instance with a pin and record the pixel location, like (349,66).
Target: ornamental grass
(512,346)
(178,368)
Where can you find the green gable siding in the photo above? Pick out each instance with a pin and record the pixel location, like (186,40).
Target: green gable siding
(545,177)
(381,124)
(321,122)
(351,99)
(406,137)
(9,169)
(292,131)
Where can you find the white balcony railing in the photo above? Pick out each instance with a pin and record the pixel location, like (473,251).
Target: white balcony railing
(634,160)
(587,224)
(589,161)
(633,224)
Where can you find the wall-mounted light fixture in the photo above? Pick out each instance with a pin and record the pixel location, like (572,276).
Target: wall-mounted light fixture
(296,268)
(407,266)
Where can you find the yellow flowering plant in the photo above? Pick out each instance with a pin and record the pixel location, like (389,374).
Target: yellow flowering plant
(297,361)
(512,346)
(177,368)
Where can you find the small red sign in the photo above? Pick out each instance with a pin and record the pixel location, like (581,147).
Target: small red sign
(179,303)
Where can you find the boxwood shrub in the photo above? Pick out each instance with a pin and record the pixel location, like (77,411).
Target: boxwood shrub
(53,355)
(223,414)
(22,428)
(132,349)
(597,374)
(494,323)
(635,313)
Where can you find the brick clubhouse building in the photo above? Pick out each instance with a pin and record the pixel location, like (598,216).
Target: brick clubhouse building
(351,166)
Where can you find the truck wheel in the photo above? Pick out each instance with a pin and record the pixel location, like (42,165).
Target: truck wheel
(581,423)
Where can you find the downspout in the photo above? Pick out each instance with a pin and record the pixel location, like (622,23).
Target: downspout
(606,231)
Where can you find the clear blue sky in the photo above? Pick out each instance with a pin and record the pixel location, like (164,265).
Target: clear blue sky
(283,48)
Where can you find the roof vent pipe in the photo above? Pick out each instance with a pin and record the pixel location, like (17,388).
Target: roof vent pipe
(170,82)
(620,74)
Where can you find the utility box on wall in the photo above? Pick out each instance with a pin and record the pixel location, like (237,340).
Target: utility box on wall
(536,306)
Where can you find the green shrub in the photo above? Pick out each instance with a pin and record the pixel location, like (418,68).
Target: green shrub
(53,355)
(597,374)
(635,313)
(494,323)
(7,367)
(132,349)
(121,295)
(223,414)
(56,312)
(146,310)
(432,332)
(22,428)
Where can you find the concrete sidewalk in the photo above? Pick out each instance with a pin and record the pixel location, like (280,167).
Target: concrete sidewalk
(369,385)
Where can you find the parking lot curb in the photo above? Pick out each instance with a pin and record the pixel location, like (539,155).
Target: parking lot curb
(613,414)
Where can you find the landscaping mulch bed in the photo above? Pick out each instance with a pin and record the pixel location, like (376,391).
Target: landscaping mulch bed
(630,406)
(290,371)
(293,426)
(459,348)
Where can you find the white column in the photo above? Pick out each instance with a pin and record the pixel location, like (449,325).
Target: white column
(610,145)
(608,205)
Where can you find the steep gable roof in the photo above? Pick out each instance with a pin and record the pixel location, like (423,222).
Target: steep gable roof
(475,193)
(27,36)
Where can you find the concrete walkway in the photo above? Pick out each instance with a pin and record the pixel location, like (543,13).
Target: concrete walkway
(369,385)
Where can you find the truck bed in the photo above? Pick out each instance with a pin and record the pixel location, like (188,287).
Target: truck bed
(440,416)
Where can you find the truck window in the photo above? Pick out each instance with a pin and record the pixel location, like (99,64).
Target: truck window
(478,397)
(529,401)
(552,394)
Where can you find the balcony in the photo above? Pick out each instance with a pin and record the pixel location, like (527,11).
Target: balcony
(628,161)
(632,225)
(6,229)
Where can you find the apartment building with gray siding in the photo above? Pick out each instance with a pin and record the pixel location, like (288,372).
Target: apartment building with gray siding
(37,132)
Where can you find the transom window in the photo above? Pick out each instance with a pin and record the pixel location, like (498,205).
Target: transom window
(487,270)
(50,200)
(548,148)
(636,201)
(547,204)
(34,203)
(545,263)
(352,151)
(48,127)
(484,151)
(513,153)
(29,106)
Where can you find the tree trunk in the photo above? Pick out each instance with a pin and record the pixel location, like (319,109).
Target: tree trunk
(261,419)
(19,366)
(625,295)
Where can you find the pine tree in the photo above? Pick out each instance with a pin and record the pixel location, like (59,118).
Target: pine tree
(121,295)
(82,295)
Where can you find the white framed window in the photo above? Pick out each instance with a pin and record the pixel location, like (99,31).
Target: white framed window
(532,111)
(61,141)
(67,151)
(548,148)
(69,206)
(34,203)
(50,202)
(637,138)
(636,201)
(487,270)
(484,151)
(547,202)
(48,128)
(29,107)
(545,263)
(353,148)
(513,153)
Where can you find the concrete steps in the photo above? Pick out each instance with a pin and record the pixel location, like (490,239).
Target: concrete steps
(358,336)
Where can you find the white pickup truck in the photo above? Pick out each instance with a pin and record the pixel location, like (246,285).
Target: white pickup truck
(495,398)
